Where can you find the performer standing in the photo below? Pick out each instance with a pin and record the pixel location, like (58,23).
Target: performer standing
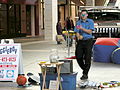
(83,29)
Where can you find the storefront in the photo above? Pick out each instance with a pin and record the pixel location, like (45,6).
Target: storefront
(19,18)
(66,8)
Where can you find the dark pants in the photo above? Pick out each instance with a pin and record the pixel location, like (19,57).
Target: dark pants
(83,54)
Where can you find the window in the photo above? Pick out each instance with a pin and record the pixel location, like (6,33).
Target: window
(3,19)
(104,16)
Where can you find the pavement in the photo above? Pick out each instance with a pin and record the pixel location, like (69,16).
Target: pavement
(37,49)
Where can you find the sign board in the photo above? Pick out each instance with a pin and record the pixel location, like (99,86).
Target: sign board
(10,55)
(54,85)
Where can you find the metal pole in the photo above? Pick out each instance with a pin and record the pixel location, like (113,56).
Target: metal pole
(110,32)
(68,42)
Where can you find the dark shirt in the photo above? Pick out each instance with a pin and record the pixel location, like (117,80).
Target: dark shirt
(59,29)
(68,24)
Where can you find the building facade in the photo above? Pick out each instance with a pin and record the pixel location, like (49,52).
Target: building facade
(19,18)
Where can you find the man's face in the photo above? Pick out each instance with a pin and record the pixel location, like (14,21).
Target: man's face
(84,15)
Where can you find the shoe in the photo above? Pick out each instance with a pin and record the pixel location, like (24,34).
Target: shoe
(69,45)
(84,77)
(59,43)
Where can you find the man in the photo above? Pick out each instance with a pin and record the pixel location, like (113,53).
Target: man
(83,29)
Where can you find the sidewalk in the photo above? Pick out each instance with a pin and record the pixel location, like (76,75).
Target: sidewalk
(35,50)
(28,39)
(99,72)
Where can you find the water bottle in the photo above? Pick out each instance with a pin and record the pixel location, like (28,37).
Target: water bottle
(53,56)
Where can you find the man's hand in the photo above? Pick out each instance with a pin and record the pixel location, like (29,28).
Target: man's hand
(83,29)
(79,27)
(79,37)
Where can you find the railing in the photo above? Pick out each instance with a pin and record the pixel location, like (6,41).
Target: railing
(106,31)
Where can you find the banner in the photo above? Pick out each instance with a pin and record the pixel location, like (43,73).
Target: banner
(9,61)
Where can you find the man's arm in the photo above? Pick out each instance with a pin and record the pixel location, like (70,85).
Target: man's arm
(89,31)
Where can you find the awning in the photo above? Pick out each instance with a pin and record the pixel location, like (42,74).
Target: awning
(83,2)
(29,2)
(25,1)
(62,2)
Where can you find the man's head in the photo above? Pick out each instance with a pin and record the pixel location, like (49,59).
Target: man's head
(84,14)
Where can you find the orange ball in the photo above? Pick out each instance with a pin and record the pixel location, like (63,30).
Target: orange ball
(21,80)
